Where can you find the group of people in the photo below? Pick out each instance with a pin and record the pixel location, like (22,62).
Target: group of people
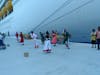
(20,37)
(47,39)
(95,38)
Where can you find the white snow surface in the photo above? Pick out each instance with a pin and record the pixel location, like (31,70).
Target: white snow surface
(80,59)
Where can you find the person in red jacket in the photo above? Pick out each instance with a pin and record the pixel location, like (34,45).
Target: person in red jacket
(17,36)
(21,38)
(54,38)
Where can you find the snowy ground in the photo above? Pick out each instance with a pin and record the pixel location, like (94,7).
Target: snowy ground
(81,59)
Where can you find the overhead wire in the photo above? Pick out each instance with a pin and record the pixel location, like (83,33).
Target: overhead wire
(66,3)
(68,13)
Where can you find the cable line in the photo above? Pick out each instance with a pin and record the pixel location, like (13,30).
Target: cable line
(66,3)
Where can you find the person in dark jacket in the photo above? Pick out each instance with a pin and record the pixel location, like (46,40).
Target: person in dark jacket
(2,45)
(17,36)
(42,37)
(66,37)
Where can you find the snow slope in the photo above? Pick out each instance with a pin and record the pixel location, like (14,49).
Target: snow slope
(81,59)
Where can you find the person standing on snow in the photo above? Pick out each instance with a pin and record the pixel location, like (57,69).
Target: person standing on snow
(42,37)
(17,36)
(66,37)
(2,45)
(47,43)
(34,36)
(54,38)
(98,38)
(93,38)
(21,38)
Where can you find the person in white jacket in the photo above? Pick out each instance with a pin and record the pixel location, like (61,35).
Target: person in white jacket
(47,43)
(34,36)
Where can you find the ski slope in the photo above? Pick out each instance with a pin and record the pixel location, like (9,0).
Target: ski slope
(81,59)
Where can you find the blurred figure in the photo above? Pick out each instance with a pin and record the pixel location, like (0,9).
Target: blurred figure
(42,37)
(31,34)
(2,45)
(54,38)
(47,43)
(93,38)
(4,35)
(17,36)
(34,36)
(98,38)
(66,37)
(8,33)
(21,38)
